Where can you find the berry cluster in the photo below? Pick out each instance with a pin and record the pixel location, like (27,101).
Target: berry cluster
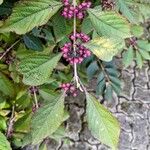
(75,57)
(79,11)
(108,4)
(69,88)
(80,53)
(82,36)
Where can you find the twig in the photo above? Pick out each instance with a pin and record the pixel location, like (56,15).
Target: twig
(36,101)
(76,78)
(11,123)
(7,50)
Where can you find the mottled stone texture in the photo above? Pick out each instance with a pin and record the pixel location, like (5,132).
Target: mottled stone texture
(132,108)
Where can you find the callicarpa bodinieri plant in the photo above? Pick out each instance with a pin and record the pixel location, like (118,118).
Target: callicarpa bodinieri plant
(50,50)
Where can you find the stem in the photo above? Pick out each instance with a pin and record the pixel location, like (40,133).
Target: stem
(36,101)
(76,78)
(11,123)
(103,69)
(7,50)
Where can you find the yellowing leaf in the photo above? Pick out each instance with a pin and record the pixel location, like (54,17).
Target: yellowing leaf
(37,69)
(103,125)
(28,14)
(47,119)
(110,24)
(104,48)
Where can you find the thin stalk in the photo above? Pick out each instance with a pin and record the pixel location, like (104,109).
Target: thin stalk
(74,45)
(7,50)
(36,101)
(11,123)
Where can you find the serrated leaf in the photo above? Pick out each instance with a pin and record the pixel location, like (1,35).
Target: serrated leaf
(33,42)
(139,60)
(4,144)
(104,48)
(59,27)
(28,14)
(128,57)
(137,30)
(144,54)
(103,125)
(144,45)
(92,69)
(110,24)
(37,69)
(108,93)
(127,11)
(7,86)
(23,123)
(47,119)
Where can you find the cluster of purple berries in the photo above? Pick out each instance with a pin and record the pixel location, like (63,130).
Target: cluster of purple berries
(80,53)
(75,57)
(82,36)
(108,4)
(79,11)
(69,89)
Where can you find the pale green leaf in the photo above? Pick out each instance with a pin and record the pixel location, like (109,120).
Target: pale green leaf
(103,125)
(137,30)
(4,144)
(139,60)
(110,24)
(145,54)
(28,14)
(128,57)
(6,85)
(37,69)
(1,1)
(130,13)
(144,45)
(104,48)
(47,119)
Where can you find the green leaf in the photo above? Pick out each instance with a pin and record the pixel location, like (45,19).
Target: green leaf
(144,45)
(127,11)
(7,86)
(59,27)
(109,93)
(103,125)
(128,57)
(3,125)
(23,123)
(28,14)
(92,69)
(4,144)
(145,54)
(104,48)
(87,26)
(110,24)
(139,60)
(33,42)
(47,119)
(37,69)
(137,30)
